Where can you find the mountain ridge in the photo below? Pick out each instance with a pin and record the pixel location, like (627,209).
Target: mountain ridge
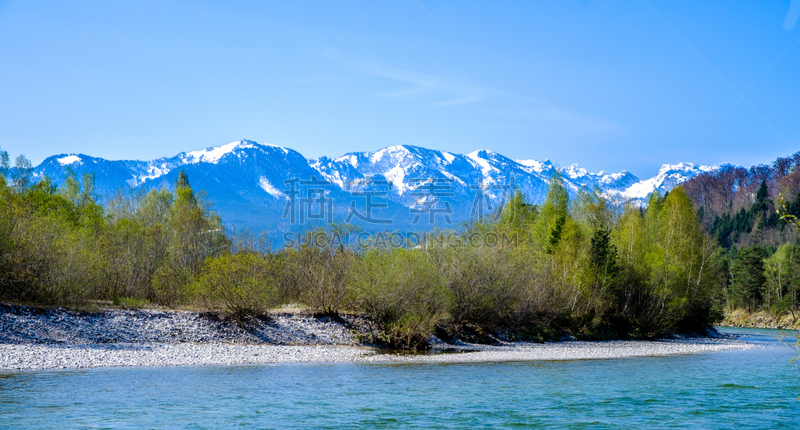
(253,183)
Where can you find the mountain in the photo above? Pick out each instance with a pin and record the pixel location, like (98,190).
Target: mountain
(404,187)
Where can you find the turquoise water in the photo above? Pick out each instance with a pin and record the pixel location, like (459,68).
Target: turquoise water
(755,388)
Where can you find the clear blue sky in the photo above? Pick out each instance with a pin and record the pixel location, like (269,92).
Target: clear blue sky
(609,85)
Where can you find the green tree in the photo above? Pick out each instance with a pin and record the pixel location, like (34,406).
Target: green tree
(246,284)
(605,267)
(747,275)
(517,214)
(782,272)
(192,233)
(553,215)
(4,166)
(402,289)
(321,266)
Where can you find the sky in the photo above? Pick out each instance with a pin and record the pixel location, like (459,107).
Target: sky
(609,85)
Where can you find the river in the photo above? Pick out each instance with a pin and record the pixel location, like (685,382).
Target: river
(753,388)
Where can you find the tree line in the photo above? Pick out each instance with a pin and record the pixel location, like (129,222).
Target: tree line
(745,211)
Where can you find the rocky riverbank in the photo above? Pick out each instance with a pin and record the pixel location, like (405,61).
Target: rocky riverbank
(42,356)
(37,339)
(28,325)
(761,319)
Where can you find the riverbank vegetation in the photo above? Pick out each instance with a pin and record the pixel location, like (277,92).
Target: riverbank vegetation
(749,212)
(583,267)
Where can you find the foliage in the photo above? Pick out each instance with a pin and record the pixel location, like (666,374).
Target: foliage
(321,269)
(401,290)
(59,246)
(246,284)
(745,211)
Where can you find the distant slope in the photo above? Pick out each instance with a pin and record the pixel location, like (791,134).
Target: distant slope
(251,184)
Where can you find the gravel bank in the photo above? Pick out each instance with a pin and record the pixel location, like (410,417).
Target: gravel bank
(35,339)
(27,325)
(571,350)
(40,357)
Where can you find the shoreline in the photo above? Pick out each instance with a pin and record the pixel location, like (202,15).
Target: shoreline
(24,325)
(41,339)
(33,357)
(760,319)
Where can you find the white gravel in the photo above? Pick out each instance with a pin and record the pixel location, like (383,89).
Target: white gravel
(39,357)
(571,350)
(26,325)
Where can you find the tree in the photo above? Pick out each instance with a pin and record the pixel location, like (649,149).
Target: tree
(792,219)
(182,181)
(193,233)
(403,291)
(553,215)
(4,166)
(747,274)
(603,259)
(782,271)
(517,214)
(22,173)
(630,239)
(246,284)
(321,264)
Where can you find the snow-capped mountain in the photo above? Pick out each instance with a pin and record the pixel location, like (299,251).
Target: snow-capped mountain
(669,176)
(276,188)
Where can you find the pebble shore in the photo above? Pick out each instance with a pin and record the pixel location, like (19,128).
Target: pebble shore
(571,350)
(27,325)
(33,339)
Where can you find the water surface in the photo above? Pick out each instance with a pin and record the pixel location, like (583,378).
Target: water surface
(756,388)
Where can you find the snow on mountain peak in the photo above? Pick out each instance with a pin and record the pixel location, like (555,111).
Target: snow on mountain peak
(391,151)
(404,167)
(684,168)
(574,171)
(535,166)
(69,159)
(154,170)
(481,158)
(214,153)
(378,155)
(624,178)
(481,153)
(668,177)
(349,159)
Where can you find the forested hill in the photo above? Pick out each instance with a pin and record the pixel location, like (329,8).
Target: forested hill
(738,206)
(741,208)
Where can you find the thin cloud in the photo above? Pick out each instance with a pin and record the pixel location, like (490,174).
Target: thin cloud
(421,85)
(418,85)
(445,92)
(566,122)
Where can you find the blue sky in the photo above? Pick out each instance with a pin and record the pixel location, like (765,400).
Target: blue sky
(609,85)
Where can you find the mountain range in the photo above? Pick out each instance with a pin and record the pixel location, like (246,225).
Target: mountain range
(268,187)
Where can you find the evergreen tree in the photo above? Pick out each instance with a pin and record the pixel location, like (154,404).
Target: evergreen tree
(747,273)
